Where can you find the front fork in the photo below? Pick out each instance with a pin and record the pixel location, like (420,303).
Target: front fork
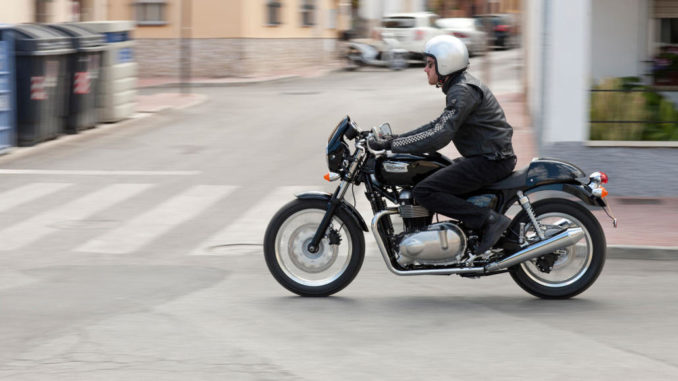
(337,198)
(333,204)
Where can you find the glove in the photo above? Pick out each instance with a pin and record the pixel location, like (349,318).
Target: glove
(379,144)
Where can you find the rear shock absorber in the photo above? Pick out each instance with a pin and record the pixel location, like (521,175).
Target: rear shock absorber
(525,203)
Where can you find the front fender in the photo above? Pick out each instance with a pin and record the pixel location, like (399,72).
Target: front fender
(327,197)
(580,191)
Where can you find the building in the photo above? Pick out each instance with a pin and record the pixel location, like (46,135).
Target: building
(47,11)
(233,37)
(572,45)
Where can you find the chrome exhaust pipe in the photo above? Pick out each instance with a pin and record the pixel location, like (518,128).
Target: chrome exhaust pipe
(559,241)
(389,265)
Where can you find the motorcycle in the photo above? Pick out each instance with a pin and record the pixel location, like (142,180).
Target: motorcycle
(388,54)
(554,248)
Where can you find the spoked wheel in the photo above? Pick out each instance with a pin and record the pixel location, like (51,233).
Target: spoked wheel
(328,270)
(568,271)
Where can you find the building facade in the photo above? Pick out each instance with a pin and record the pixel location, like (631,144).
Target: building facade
(571,46)
(46,11)
(233,37)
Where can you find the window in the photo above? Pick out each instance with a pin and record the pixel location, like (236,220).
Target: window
(399,22)
(669,31)
(41,11)
(150,12)
(307,12)
(273,12)
(332,19)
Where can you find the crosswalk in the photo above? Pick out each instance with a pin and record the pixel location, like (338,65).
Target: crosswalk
(148,218)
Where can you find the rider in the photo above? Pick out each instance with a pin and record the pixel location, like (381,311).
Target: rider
(474,121)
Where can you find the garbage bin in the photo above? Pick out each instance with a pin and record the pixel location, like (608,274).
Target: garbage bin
(117,84)
(41,55)
(80,110)
(7,91)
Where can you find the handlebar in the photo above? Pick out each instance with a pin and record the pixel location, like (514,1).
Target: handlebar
(373,152)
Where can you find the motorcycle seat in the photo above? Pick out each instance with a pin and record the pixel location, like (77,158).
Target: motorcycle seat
(517,180)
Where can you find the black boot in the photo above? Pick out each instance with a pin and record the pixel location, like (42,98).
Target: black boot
(494,225)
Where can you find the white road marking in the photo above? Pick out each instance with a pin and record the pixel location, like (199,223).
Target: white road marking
(250,227)
(33,229)
(17,196)
(95,172)
(145,228)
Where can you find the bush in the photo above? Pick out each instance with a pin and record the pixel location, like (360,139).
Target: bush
(631,102)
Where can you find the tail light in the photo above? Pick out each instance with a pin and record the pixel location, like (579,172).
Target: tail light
(419,35)
(502,28)
(598,177)
(459,35)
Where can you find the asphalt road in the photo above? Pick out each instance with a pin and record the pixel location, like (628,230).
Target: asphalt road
(133,254)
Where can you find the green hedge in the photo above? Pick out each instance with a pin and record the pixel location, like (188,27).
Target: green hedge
(644,105)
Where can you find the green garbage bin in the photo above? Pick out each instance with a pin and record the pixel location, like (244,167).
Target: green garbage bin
(83,68)
(41,56)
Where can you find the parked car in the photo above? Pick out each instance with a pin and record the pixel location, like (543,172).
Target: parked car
(505,29)
(469,30)
(411,30)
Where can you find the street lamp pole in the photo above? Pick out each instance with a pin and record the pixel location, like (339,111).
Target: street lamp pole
(185,49)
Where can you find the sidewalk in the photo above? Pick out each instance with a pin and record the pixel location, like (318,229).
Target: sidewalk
(646,226)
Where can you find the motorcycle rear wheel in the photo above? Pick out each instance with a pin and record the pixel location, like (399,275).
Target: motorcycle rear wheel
(324,273)
(574,268)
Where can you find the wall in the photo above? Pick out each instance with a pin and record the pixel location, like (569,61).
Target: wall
(231,38)
(17,11)
(566,71)
(291,20)
(61,11)
(618,38)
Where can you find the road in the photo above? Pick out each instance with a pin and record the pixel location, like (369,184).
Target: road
(133,253)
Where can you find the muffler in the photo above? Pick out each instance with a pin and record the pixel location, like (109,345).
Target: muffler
(567,238)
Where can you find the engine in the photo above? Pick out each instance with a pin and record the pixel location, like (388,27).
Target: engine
(441,244)
(424,243)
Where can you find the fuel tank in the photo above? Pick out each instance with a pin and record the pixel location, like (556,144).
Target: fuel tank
(407,169)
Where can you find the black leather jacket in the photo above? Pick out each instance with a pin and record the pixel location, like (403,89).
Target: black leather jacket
(472,119)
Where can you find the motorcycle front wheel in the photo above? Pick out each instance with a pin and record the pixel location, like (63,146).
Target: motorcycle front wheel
(571,270)
(335,264)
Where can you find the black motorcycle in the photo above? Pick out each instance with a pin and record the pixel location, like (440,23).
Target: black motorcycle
(554,248)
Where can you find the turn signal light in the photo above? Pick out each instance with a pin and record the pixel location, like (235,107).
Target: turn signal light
(331,176)
(600,192)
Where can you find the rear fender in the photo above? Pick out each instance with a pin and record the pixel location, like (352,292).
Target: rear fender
(327,197)
(580,191)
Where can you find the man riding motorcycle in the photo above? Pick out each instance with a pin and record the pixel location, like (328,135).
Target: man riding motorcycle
(474,121)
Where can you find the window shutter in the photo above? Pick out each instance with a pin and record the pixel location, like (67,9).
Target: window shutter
(664,9)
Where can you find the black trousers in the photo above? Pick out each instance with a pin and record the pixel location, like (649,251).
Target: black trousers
(438,192)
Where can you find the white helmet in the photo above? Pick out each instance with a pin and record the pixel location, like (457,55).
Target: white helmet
(450,53)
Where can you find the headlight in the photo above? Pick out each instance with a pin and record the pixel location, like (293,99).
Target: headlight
(336,155)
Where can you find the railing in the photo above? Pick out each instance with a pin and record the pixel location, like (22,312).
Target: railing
(633,113)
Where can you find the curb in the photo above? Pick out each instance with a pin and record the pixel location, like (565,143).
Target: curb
(654,253)
(229,83)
